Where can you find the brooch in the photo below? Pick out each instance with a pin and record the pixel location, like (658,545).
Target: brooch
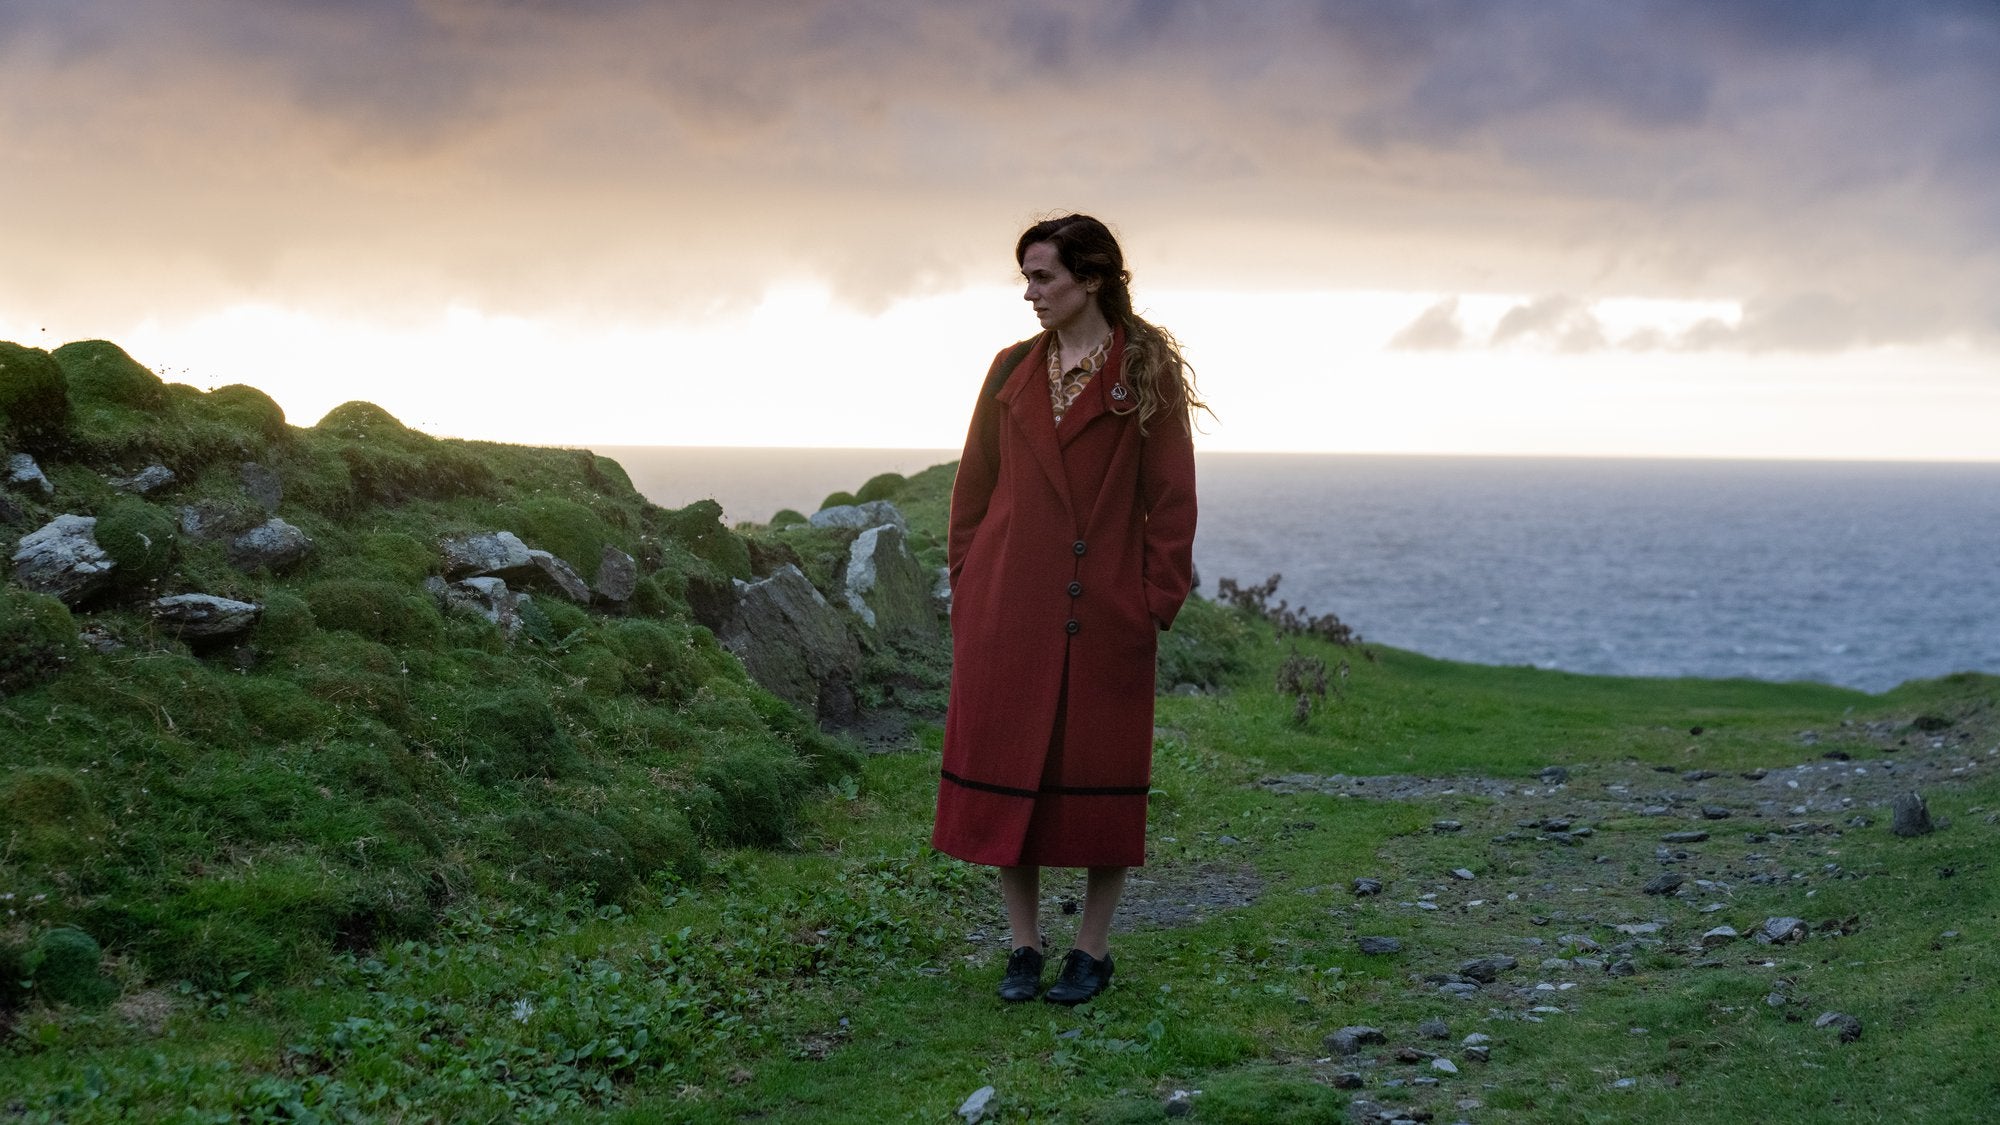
(1118,392)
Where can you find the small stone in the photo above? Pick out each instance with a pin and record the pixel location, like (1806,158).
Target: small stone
(1350,1040)
(1412,1055)
(1446,826)
(1445,1065)
(1715,812)
(1778,931)
(1480,1053)
(1180,1103)
(1434,1028)
(1698,775)
(1554,775)
(973,1108)
(1365,886)
(1850,1027)
(1719,936)
(1347,1080)
(1664,884)
(1461,873)
(148,480)
(1684,837)
(1623,967)
(1476,1039)
(1486,970)
(1379,945)
(1912,816)
(24,475)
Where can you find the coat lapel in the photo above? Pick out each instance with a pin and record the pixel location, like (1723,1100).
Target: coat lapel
(1107,391)
(1026,397)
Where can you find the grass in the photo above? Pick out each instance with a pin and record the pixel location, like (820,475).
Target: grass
(389,866)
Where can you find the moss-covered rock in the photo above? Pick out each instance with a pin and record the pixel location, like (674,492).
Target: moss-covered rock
(37,638)
(246,408)
(882,486)
(569,852)
(140,538)
(34,398)
(101,371)
(49,816)
(698,529)
(837,500)
(64,965)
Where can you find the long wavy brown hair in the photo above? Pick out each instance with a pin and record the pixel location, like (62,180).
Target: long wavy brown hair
(1152,362)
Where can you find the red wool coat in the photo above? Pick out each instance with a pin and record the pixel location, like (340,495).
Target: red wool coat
(1071,547)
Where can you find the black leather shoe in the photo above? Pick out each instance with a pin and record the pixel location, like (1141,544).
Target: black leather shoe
(1024,975)
(1082,977)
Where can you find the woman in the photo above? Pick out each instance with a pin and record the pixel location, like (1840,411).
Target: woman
(1072,531)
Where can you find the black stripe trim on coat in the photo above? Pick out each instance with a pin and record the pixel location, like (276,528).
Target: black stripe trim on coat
(1062,790)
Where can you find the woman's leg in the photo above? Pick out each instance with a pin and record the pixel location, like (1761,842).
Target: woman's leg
(1101,892)
(1021,890)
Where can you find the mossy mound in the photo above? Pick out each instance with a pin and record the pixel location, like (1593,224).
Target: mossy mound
(37,638)
(34,398)
(100,371)
(64,967)
(140,538)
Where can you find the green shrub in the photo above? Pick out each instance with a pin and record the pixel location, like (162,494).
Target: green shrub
(698,528)
(661,841)
(357,419)
(34,398)
(381,611)
(837,500)
(37,638)
(748,795)
(569,852)
(287,620)
(1208,644)
(139,537)
(100,370)
(246,408)
(516,734)
(881,486)
(279,709)
(63,965)
(785,517)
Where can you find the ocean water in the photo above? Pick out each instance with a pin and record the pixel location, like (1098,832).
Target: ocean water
(1861,574)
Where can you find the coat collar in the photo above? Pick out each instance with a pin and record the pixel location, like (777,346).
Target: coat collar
(1026,397)
(1107,391)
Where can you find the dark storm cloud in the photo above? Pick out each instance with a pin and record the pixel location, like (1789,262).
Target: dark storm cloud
(651,157)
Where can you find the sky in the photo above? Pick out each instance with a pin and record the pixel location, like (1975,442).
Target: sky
(1740,228)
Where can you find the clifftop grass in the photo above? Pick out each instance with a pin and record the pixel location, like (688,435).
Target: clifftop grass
(363,763)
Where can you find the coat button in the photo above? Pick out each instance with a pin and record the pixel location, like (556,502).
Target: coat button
(1072,626)
(1077,547)
(1076,589)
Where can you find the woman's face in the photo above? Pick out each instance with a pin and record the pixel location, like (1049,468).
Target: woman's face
(1060,300)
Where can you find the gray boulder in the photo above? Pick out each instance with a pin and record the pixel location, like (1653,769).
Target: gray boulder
(559,576)
(482,597)
(1912,815)
(204,521)
(25,476)
(617,577)
(859,517)
(146,481)
(204,617)
(262,484)
(489,553)
(887,588)
(795,644)
(62,559)
(273,545)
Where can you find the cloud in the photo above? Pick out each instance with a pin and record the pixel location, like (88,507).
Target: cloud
(651,160)
(1437,328)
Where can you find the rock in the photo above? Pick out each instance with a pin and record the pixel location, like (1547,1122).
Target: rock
(1486,970)
(62,559)
(1554,775)
(795,644)
(617,577)
(1698,775)
(1719,936)
(1180,1103)
(147,481)
(11,513)
(1912,816)
(1377,945)
(1664,884)
(1462,989)
(1480,1053)
(1476,1039)
(494,553)
(262,484)
(487,597)
(1715,812)
(973,1108)
(1350,1040)
(1347,1080)
(859,517)
(99,640)
(23,475)
(273,545)
(1850,1027)
(941,592)
(203,521)
(1684,837)
(1442,826)
(1623,967)
(1434,1028)
(1778,931)
(557,575)
(887,588)
(1461,873)
(1445,1065)
(1367,885)
(204,617)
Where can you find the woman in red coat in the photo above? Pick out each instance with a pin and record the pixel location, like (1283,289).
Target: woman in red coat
(1072,532)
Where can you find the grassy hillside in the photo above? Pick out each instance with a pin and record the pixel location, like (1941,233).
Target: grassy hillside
(359,872)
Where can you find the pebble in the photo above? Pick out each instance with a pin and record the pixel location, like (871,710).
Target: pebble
(1778,931)
(1461,873)
(1367,886)
(1350,1040)
(1850,1027)
(1720,935)
(1445,1065)
(1684,837)
(1434,1028)
(1374,945)
(1664,884)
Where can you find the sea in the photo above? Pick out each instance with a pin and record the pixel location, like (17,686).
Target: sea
(1861,574)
